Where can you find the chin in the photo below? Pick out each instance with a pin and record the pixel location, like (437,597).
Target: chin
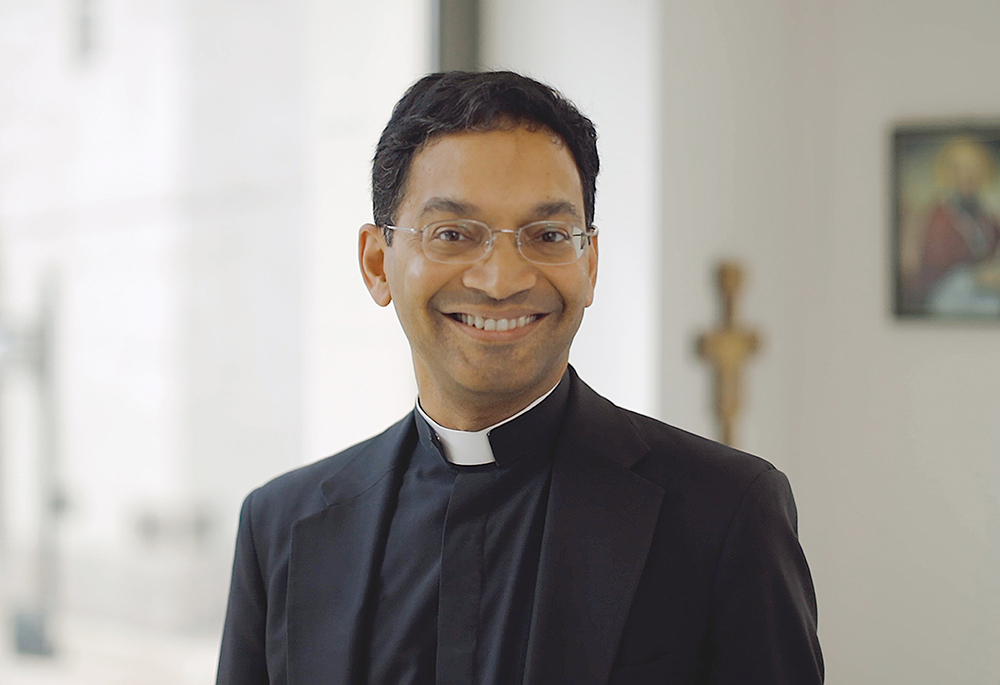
(506,380)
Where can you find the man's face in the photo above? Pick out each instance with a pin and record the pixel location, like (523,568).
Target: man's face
(506,179)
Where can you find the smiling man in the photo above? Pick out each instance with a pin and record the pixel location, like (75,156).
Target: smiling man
(490,317)
(516,527)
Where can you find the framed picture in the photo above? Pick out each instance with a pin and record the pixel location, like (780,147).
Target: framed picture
(946,220)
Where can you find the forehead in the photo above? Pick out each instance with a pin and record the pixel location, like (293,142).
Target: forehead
(493,171)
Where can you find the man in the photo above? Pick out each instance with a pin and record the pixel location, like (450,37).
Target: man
(515,527)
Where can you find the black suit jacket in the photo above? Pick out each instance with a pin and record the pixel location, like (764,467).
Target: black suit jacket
(666,558)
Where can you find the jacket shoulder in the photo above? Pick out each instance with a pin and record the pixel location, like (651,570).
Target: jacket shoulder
(707,484)
(679,454)
(704,482)
(727,535)
(297,493)
(666,455)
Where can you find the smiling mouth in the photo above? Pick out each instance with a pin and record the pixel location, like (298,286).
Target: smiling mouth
(484,324)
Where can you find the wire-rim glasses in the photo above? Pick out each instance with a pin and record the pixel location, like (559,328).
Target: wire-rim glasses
(464,241)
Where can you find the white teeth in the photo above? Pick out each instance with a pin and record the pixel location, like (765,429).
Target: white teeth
(496,324)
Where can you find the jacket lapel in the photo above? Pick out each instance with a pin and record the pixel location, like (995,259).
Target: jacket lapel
(599,524)
(335,555)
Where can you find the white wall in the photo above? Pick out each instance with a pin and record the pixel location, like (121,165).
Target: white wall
(602,56)
(725,194)
(243,206)
(357,375)
(776,121)
(895,424)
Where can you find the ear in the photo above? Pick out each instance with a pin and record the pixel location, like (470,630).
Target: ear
(592,269)
(371,256)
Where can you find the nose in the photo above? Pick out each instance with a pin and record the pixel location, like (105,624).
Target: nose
(503,272)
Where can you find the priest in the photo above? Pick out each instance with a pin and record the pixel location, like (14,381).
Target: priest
(515,527)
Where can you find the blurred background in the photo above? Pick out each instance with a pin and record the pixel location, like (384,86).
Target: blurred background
(182,318)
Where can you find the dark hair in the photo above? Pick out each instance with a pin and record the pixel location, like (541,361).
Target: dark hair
(457,101)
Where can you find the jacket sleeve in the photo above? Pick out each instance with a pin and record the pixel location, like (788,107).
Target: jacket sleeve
(242,660)
(763,624)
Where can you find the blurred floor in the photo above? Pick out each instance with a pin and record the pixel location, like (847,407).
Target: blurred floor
(102,653)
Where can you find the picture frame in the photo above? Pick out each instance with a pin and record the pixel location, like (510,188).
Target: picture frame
(945,179)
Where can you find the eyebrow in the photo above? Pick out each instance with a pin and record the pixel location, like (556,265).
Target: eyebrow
(444,204)
(543,210)
(546,210)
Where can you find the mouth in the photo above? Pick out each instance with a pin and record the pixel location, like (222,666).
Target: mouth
(487,324)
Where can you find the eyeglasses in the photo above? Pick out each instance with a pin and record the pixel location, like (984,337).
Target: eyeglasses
(463,241)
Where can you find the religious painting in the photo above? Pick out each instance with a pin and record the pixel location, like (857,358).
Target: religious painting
(946,201)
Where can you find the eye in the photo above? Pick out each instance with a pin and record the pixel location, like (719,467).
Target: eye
(449,235)
(452,233)
(548,233)
(553,235)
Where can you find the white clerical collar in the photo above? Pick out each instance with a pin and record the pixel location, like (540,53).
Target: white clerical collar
(472,448)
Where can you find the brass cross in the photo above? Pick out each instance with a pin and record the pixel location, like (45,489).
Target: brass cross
(727,349)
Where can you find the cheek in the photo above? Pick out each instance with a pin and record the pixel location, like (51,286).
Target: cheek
(421,277)
(405,275)
(578,291)
(416,282)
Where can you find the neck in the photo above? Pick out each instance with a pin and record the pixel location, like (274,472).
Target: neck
(465,409)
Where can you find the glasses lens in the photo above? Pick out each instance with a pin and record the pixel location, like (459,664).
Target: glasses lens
(552,242)
(455,241)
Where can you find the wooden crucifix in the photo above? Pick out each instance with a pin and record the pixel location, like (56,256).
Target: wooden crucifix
(727,349)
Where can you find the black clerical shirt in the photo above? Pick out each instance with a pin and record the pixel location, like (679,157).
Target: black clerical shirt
(457,581)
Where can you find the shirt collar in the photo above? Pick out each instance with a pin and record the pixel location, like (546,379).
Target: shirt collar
(507,440)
